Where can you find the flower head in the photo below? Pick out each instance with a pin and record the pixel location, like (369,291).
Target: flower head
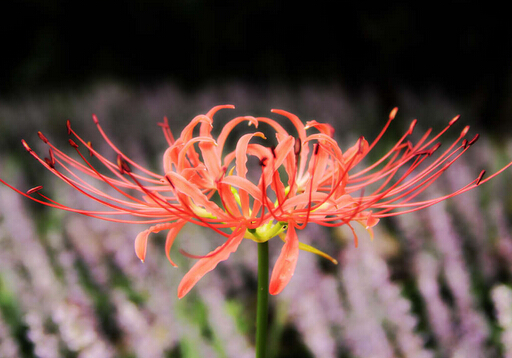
(306,177)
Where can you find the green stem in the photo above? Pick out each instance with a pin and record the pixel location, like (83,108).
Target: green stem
(262,309)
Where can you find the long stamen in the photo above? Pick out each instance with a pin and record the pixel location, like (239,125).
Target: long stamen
(416,190)
(114,147)
(167,131)
(311,181)
(341,176)
(51,164)
(292,180)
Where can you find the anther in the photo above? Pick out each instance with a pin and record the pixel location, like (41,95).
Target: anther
(480,176)
(89,144)
(464,131)
(317,148)
(25,145)
(360,150)
(422,152)
(43,138)
(95,119)
(454,119)
(68,126)
(73,144)
(393,112)
(297,146)
(120,163)
(52,158)
(34,189)
(465,143)
(434,148)
(49,163)
(475,138)
(411,126)
(123,166)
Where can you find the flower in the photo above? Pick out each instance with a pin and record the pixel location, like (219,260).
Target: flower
(303,178)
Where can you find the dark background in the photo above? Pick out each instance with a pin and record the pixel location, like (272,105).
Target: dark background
(460,48)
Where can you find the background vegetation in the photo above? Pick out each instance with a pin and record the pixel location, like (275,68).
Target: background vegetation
(432,284)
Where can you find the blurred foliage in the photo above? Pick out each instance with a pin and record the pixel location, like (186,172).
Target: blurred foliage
(391,297)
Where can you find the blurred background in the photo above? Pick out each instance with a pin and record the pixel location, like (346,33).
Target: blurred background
(436,283)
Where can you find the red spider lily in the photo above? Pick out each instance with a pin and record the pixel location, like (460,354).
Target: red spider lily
(304,178)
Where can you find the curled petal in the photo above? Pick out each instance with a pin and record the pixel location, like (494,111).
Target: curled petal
(208,263)
(295,120)
(370,232)
(371,221)
(241,168)
(317,168)
(228,127)
(171,235)
(170,157)
(285,264)
(188,147)
(283,149)
(324,128)
(141,241)
(206,128)
(211,160)
(241,152)
(186,134)
(141,244)
(302,135)
(214,110)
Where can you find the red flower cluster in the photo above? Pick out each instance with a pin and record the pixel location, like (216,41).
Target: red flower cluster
(304,178)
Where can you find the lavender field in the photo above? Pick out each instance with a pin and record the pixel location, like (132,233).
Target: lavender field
(435,283)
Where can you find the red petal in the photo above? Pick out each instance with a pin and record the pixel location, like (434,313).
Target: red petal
(207,264)
(171,235)
(141,241)
(241,168)
(141,244)
(210,158)
(285,265)
(214,110)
